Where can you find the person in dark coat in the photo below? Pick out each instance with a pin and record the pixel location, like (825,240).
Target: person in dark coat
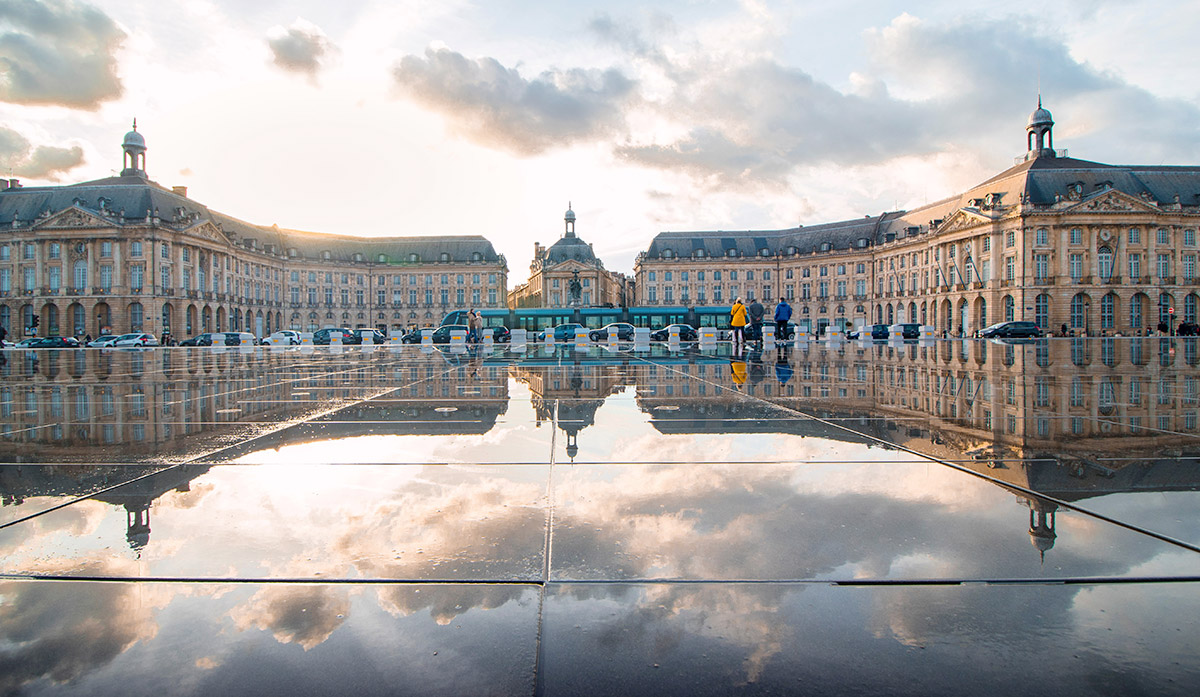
(783,313)
(756,318)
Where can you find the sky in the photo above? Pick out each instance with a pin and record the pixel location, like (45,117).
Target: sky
(449,117)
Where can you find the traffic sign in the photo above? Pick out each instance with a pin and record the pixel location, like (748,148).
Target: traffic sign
(1170,310)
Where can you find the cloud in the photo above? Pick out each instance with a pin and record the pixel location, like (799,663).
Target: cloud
(496,106)
(300,48)
(304,615)
(58,52)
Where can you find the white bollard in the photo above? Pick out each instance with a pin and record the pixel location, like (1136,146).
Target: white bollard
(835,334)
(517,340)
(581,336)
(427,337)
(801,337)
(335,338)
(306,339)
(458,337)
(896,333)
(489,338)
(768,337)
(928,332)
(708,337)
(395,340)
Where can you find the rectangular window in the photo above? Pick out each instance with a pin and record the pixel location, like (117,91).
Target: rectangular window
(1164,236)
(1076,236)
(491,296)
(381,297)
(1189,266)
(1164,265)
(29,278)
(860,287)
(652,276)
(716,294)
(1135,266)
(106,248)
(1076,266)
(412,297)
(652,295)
(1135,235)
(667,276)
(164,280)
(1010,268)
(55,279)
(1010,239)
(1189,238)
(1041,266)
(55,250)
(987,244)
(135,276)
(1042,237)
(716,275)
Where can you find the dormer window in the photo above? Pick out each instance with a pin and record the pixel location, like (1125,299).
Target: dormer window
(358,256)
(731,253)
(699,253)
(382,259)
(476,256)
(444,257)
(826,246)
(792,251)
(862,242)
(326,254)
(292,252)
(764,252)
(414,257)
(667,254)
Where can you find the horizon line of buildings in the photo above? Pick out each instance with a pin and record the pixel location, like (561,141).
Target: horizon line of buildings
(1095,248)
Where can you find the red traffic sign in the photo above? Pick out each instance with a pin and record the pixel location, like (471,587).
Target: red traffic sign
(1170,310)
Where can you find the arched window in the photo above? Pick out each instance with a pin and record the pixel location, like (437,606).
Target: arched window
(667,254)
(444,257)
(1105,260)
(764,252)
(1079,311)
(1010,308)
(382,258)
(1108,311)
(135,317)
(699,253)
(1136,311)
(81,274)
(414,257)
(476,256)
(731,253)
(326,255)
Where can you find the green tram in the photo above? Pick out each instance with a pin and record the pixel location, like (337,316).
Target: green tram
(538,319)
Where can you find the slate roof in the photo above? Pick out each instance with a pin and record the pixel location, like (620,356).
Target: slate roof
(138,197)
(570,248)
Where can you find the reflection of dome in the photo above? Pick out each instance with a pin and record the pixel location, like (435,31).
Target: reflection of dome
(569,248)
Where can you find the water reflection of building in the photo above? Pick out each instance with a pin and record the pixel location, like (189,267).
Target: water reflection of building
(578,389)
(138,413)
(1068,419)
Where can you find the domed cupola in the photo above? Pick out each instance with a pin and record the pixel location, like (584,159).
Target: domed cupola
(134,146)
(1039,133)
(569,220)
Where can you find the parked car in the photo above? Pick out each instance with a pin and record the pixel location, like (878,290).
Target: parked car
(286,337)
(1028,330)
(239,339)
(686,333)
(205,339)
(562,333)
(441,335)
(55,342)
(769,327)
(500,335)
(321,336)
(139,339)
(876,332)
(622,330)
(103,341)
(413,337)
(368,334)
(27,343)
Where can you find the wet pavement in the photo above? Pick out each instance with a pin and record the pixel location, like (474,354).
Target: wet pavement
(959,517)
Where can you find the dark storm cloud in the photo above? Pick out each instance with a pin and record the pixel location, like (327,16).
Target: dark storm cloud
(301,48)
(58,52)
(496,106)
(43,162)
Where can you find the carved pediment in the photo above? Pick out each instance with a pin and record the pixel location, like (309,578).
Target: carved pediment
(1112,201)
(74,218)
(207,230)
(963,218)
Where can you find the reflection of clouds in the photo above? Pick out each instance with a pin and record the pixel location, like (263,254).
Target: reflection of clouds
(447,602)
(23,547)
(304,615)
(61,631)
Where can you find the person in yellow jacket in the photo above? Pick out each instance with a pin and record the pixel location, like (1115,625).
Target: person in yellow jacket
(738,369)
(738,322)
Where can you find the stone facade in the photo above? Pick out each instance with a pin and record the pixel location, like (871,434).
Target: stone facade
(125,254)
(554,268)
(1101,249)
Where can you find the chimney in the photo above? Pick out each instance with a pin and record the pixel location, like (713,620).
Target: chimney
(10,184)
(180,190)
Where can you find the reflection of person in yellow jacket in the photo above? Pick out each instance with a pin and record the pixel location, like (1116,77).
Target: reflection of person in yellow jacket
(738,322)
(739,372)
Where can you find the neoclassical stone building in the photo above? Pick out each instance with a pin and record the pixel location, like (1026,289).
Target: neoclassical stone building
(554,268)
(1102,249)
(126,254)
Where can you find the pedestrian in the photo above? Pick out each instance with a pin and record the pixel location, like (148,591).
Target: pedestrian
(783,313)
(738,322)
(1064,330)
(474,326)
(757,312)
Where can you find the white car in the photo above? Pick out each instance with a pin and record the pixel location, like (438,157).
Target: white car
(286,337)
(135,339)
(105,341)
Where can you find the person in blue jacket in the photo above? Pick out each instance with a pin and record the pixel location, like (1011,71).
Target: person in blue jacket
(783,313)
